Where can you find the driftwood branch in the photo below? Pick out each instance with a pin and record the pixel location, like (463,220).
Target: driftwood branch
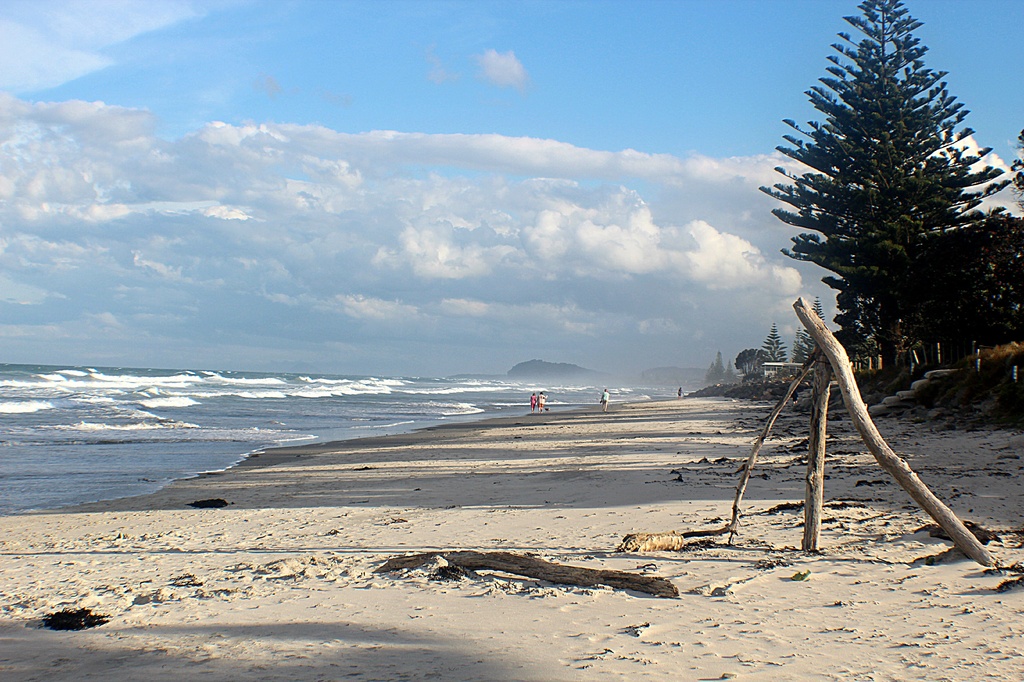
(816,455)
(748,467)
(531,567)
(672,541)
(884,455)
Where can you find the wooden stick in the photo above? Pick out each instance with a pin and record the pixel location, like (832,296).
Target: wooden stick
(734,524)
(539,569)
(884,455)
(816,455)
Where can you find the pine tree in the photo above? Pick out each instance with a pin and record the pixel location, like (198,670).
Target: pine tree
(716,372)
(774,348)
(888,171)
(803,344)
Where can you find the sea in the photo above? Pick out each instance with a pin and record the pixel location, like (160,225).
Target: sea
(70,435)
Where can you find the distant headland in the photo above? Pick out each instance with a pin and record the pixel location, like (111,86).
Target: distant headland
(540,369)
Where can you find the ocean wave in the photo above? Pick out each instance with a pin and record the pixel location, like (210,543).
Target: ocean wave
(252,395)
(140,426)
(385,426)
(455,390)
(455,409)
(169,401)
(245,381)
(25,406)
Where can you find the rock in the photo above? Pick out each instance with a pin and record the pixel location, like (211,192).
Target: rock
(919,384)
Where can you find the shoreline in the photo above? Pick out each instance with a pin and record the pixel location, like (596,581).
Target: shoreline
(280,584)
(285,454)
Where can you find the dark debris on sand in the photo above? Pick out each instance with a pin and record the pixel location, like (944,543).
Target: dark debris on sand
(212,503)
(73,619)
(450,573)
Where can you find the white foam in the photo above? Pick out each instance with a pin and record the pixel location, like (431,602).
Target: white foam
(170,401)
(24,406)
(143,426)
(453,409)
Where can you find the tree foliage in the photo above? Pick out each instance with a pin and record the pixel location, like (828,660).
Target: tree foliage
(974,290)
(750,360)
(773,347)
(884,174)
(718,373)
(1018,166)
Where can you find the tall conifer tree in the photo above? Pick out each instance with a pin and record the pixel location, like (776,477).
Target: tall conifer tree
(774,348)
(886,171)
(716,372)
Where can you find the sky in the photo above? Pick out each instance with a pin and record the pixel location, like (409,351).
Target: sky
(424,187)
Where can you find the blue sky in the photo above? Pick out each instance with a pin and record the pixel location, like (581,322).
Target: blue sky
(422,187)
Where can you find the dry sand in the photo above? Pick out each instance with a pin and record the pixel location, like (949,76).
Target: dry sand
(280,584)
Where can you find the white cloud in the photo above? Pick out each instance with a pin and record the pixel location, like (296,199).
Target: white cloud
(502,69)
(368,307)
(476,241)
(43,47)
(725,261)
(438,73)
(21,294)
(465,307)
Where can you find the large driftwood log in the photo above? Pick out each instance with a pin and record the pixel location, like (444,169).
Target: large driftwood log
(816,455)
(884,455)
(532,567)
(664,542)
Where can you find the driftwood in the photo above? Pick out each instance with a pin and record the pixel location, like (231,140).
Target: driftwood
(531,567)
(816,455)
(658,542)
(748,467)
(671,541)
(837,365)
(884,455)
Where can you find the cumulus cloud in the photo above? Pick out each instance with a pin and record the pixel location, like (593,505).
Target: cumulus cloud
(502,69)
(386,240)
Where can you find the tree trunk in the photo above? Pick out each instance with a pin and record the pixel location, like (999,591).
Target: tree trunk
(884,455)
(816,455)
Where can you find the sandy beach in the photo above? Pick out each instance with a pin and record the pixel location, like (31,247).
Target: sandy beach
(280,584)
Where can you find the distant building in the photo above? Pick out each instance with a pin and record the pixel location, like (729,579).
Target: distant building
(780,369)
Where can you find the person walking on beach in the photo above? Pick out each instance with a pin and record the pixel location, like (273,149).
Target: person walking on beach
(679,393)
(605,398)
(541,401)
(533,402)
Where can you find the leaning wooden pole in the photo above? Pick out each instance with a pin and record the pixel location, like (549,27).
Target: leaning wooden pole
(748,466)
(884,455)
(816,454)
